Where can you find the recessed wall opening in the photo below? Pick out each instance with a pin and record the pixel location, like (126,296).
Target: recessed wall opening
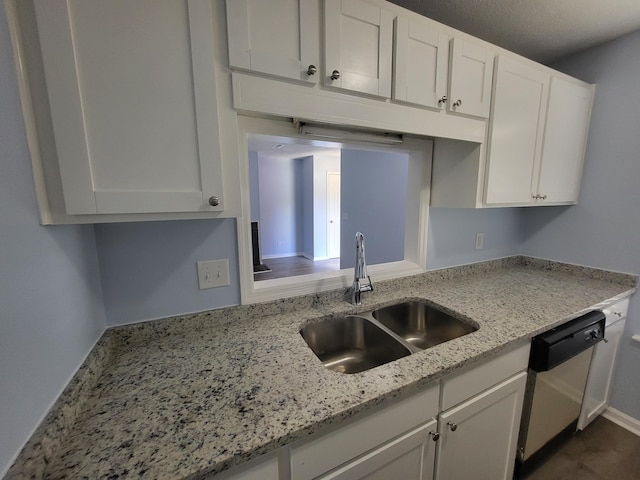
(307,203)
(306,198)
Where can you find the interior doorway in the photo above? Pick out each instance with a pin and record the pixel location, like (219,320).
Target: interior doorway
(333,214)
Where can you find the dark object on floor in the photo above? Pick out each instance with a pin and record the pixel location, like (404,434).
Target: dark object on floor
(261,268)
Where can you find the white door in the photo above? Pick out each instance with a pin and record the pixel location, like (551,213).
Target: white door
(421,64)
(470,75)
(131,87)
(515,132)
(478,438)
(409,457)
(565,140)
(333,214)
(278,37)
(358,47)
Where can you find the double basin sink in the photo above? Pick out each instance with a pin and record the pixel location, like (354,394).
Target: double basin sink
(355,343)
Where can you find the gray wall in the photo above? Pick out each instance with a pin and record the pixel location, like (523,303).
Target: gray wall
(277,179)
(148,269)
(254,187)
(452,235)
(307,206)
(50,300)
(373,200)
(604,228)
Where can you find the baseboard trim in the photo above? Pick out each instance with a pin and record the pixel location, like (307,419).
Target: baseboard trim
(625,421)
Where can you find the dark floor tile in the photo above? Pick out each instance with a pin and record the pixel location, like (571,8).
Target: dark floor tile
(603,451)
(563,466)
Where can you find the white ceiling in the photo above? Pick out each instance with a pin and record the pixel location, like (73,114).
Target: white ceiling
(543,30)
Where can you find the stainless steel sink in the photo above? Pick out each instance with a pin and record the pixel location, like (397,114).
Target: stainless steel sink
(355,343)
(420,324)
(352,344)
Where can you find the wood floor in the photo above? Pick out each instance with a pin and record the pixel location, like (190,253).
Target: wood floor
(603,451)
(294,266)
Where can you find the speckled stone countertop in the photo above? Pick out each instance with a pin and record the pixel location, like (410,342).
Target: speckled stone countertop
(195,395)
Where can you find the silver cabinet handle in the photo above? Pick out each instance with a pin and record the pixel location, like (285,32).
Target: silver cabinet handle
(311,70)
(452,426)
(442,100)
(335,75)
(214,201)
(457,103)
(434,436)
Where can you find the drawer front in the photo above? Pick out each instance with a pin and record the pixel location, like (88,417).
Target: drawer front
(313,458)
(459,388)
(617,311)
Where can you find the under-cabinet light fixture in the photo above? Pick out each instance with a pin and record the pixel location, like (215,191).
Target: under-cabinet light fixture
(336,133)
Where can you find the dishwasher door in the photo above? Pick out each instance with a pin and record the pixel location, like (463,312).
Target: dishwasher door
(555,404)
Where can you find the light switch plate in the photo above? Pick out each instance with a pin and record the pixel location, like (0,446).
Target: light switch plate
(213,273)
(479,241)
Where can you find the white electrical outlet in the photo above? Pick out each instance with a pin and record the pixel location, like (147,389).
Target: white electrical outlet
(213,273)
(479,241)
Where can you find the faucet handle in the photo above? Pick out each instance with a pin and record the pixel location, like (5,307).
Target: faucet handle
(367,288)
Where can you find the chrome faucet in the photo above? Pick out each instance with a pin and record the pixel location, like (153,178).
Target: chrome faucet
(360,273)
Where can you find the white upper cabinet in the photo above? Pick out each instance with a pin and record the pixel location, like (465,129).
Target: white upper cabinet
(278,37)
(470,74)
(358,47)
(421,64)
(131,89)
(515,132)
(565,141)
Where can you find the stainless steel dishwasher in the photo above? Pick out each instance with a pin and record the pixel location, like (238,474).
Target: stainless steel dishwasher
(558,369)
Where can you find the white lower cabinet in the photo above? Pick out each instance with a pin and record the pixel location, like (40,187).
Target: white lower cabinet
(373,447)
(478,438)
(409,457)
(596,395)
(258,469)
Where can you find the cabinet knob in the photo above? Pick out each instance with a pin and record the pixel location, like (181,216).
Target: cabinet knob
(452,426)
(214,201)
(434,436)
(311,70)
(457,103)
(335,75)
(442,100)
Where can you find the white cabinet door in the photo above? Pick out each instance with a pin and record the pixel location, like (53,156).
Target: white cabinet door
(420,69)
(131,87)
(478,438)
(258,469)
(278,37)
(565,141)
(596,395)
(409,457)
(515,132)
(470,74)
(358,47)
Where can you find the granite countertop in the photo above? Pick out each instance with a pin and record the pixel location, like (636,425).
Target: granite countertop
(195,395)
